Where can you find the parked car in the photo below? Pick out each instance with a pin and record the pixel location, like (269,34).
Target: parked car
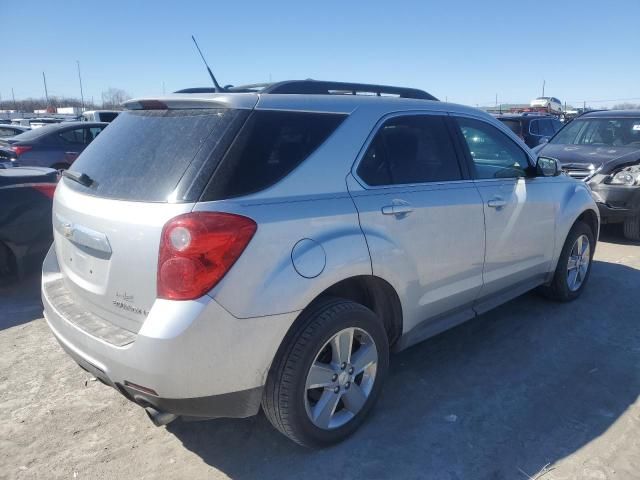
(12,130)
(218,252)
(100,115)
(55,146)
(552,104)
(532,129)
(41,122)
(26,234)
(603,149)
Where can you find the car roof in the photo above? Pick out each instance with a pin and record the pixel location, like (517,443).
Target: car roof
(611,114)
(36,133)
(298,102)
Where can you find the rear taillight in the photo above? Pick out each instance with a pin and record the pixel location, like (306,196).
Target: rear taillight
(20,149)
(47,189)
(197,250)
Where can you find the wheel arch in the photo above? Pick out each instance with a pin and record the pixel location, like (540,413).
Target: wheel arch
(374,293)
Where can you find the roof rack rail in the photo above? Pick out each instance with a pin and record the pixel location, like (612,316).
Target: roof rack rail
(319,87)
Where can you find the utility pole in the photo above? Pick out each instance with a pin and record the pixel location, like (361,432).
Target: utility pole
(15,107)
(80,79)
(46,93)
(543,84)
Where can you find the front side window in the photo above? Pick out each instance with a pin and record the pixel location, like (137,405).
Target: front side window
(494,154)
(546,128)
(410,149)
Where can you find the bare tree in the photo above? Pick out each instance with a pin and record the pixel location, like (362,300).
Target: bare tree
(113,97)
(626,106)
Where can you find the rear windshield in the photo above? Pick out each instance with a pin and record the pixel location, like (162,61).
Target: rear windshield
(514,125)
(108,116)
(610,132)
(269,146)
(142,155)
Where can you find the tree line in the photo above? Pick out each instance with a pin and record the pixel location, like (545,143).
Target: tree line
(112,98)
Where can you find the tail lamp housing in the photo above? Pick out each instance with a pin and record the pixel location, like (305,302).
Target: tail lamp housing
(197,250)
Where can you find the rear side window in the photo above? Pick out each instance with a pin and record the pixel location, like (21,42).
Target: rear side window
(534,127)
(410,149)
(108,116)
(269,146)
(144,154)
(73,136)
(514,125)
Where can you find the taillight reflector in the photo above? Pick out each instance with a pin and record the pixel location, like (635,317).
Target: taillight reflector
(47,189)
(197,250)
(20,149)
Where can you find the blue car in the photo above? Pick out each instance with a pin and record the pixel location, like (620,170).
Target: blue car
(54,146)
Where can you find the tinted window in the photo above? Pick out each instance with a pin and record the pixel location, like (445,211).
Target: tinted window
(7,132)
(72,136)
(107,116)
(494,154)
(612,132)
(411,149)
(514,125)
(269,146)
(143,154)
(557,125)
(534,127)
(546,128)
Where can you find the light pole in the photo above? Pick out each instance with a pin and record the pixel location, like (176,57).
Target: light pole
(46,93)
(80,79)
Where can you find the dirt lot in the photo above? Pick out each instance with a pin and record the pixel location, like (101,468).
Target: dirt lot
(533,389)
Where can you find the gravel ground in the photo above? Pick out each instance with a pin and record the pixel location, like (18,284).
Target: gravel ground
(534,389)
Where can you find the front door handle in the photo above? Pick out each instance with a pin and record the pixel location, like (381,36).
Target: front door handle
(398,209)
(497,202)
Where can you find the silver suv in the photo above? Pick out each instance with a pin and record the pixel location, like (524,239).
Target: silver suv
(269,245)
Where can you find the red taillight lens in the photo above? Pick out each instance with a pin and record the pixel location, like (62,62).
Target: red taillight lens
(47,189)
(197,250)
(20,149)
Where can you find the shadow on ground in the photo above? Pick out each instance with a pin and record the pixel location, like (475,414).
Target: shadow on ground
(499,397)
(20,301)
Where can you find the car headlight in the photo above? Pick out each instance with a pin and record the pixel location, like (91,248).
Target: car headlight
(628,176)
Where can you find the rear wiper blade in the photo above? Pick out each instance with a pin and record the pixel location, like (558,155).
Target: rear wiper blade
(81,178)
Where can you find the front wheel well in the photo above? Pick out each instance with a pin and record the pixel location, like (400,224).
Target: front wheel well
(591,219)
(377,295)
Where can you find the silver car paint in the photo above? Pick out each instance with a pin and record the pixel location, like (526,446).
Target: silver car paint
(434,257)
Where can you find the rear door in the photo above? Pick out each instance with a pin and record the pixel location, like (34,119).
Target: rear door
(422,217)
(519,211)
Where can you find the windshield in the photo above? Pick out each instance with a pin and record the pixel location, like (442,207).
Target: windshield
(611,132)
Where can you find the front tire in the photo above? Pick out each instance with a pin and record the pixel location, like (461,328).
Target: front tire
(574,265)
(328,373)
(632,228)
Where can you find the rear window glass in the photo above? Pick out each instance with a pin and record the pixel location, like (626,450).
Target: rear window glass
(270,145)
(108,116)
(514,125)
(142,155)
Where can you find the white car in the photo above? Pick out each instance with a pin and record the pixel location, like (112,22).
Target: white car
(552,104)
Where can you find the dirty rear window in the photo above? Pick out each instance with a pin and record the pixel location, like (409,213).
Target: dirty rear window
(142,155)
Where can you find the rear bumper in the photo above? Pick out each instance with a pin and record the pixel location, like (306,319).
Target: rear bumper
(191,358)
(616,202)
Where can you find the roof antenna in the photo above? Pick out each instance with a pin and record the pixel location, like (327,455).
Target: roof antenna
(218,88)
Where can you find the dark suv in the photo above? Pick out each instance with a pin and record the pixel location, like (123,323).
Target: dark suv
(603,149)
(532,129)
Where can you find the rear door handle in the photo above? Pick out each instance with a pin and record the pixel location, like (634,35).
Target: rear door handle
(400,209)
(497,202)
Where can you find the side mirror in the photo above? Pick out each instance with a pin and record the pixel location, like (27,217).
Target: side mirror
(543,140)
(547,167)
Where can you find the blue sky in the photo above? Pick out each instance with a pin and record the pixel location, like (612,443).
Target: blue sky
(464,50)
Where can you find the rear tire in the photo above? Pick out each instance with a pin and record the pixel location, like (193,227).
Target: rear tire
(7,264)
(295,405)
(572,271)
(632,228)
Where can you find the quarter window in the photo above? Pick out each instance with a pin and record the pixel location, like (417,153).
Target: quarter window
(494,155)
(410,149)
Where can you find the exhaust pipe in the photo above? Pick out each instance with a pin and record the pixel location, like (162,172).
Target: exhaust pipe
(159,418)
